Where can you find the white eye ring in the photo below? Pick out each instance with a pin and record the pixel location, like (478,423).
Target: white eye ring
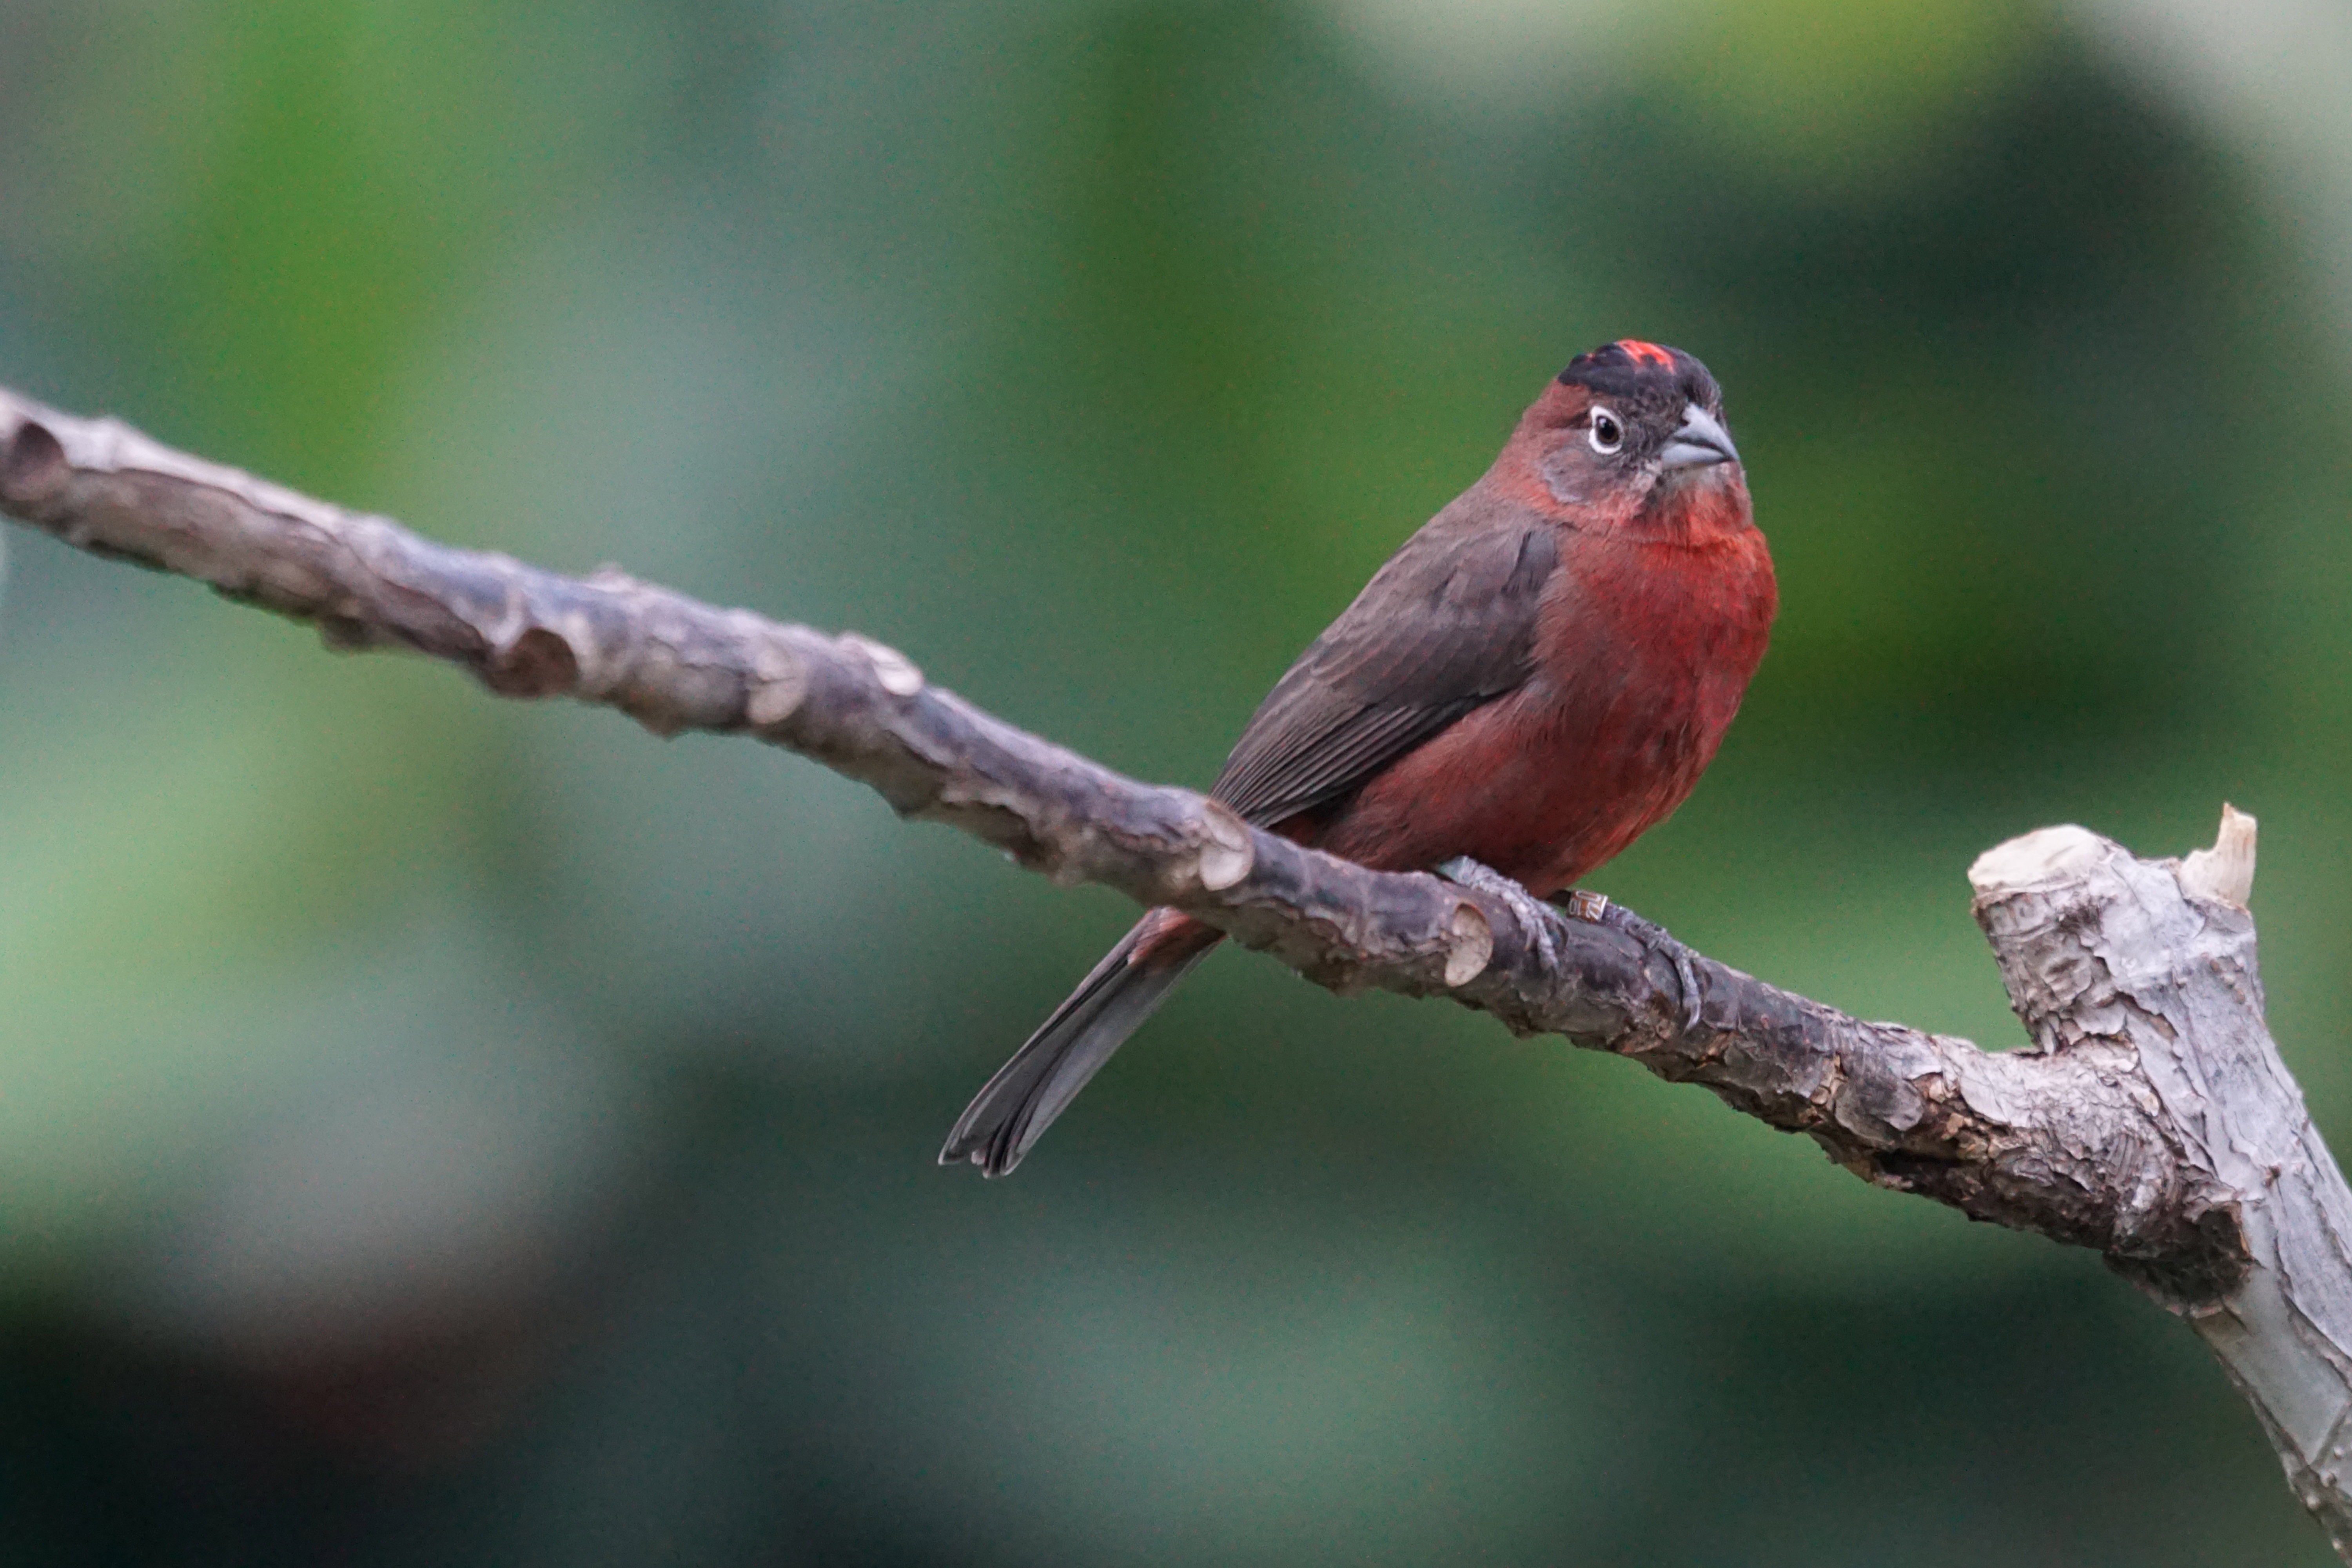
(1608,434)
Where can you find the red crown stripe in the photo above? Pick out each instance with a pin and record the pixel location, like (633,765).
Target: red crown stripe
(1646,354)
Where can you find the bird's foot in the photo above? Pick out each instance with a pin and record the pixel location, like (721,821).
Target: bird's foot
(1653,938)
(1534,916)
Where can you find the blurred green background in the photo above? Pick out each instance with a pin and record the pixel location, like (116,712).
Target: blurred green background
(435,1130)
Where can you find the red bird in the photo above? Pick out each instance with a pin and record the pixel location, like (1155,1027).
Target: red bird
(1535,679)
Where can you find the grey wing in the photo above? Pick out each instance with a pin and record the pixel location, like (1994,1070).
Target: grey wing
(1446,627)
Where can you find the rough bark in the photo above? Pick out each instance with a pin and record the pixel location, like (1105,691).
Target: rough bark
(2146,971)
(2151,1119)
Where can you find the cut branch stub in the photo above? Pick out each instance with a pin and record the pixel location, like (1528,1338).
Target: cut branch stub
(1473,945)
(33,467)
(1226,853)
(538,663)
(2109,966)
(2226,871)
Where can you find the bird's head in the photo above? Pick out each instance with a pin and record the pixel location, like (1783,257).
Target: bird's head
(1632,435)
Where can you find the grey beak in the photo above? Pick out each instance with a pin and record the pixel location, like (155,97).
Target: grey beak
(1701,441)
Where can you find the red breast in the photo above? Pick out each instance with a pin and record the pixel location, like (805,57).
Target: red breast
(1649,631)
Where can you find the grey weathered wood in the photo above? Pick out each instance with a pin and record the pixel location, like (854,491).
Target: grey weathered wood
(2151,1119)
(2148,969)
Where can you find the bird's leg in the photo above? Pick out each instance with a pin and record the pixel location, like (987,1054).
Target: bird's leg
(1534,916)
(1653,938)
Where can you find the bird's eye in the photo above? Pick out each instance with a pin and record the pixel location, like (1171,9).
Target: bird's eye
(1606,434)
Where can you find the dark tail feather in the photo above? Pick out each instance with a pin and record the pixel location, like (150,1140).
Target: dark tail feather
(1012,1111)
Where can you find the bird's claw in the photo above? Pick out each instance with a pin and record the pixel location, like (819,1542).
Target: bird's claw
(1653,938)
(1536,919)
(1534,916)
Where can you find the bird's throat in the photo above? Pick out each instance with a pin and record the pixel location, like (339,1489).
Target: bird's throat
(1702,509)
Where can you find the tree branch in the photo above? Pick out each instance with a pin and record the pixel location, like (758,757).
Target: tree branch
(2152,1119)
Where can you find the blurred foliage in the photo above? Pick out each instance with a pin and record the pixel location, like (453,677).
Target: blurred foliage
(434,1130)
